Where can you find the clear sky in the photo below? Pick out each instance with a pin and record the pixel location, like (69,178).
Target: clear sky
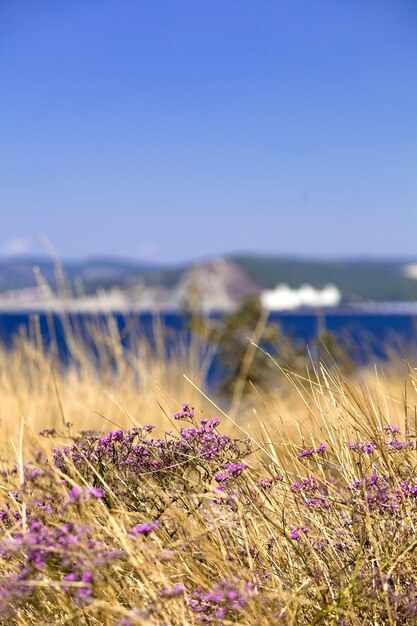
(168,129)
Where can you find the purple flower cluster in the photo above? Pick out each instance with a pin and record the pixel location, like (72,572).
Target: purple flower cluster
(381,493)
(396,444)
(187,413)
(141,529)
(136,467)
(173,592)
(318,502)
(314,494)
(67,549)
(297,532)
(78,496)
(392,428)
(322,448)
(407,490)
(308,484)
(125,468)
(365,447)
(223,602)
(57,529)
(231,471)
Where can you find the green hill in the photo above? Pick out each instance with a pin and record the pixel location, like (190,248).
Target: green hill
(356,279)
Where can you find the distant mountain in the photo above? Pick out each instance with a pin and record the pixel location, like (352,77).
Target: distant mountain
(221,282)
(94,273)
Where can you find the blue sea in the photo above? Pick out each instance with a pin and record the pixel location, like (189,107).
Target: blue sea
(368,337)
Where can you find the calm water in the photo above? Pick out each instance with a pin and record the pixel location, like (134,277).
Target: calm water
(366,336)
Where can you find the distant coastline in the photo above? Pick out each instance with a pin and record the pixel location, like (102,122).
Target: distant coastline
(217,284)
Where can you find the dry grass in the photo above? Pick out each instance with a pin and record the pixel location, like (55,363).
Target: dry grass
(242,555)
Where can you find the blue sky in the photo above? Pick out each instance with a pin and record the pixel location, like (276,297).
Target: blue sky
(170,130)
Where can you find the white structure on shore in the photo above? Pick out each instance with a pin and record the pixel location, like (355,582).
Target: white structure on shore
(410,270)
(284,298)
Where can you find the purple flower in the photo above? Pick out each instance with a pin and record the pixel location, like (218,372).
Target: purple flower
(367,447)
(224,601)
(311,451)
(308,484)
(187,413)
(305,453)
(96,492)
(222,477)
(173,592)
(74,495)
(318,502)
(87,577)
(265,483)
(235,469)
(395,444)
(295,533)
(392,428)
(140,529)
(78,495)
(352,445)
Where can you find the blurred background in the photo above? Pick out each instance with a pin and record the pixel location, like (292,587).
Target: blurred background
(216,157)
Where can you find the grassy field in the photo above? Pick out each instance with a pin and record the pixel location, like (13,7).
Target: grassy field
(294,507)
